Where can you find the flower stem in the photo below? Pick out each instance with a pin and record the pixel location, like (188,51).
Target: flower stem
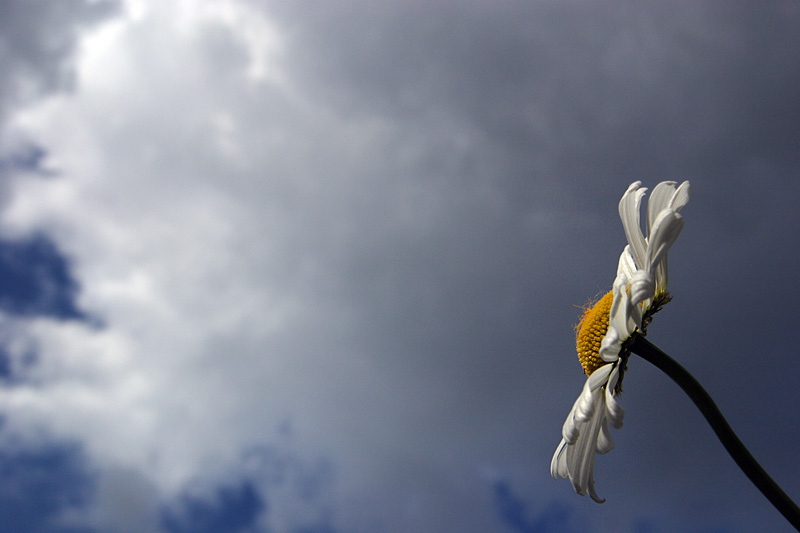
(649,352)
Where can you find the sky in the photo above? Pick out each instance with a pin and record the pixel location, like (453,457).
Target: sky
(314,267)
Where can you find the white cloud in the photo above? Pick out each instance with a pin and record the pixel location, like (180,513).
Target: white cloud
(215,215)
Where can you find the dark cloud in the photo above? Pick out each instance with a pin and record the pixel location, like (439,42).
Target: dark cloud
(573,102)
(581,96)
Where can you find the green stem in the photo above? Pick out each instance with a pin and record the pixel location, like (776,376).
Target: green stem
(647,351)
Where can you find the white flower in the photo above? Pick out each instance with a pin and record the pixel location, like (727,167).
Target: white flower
(639,290)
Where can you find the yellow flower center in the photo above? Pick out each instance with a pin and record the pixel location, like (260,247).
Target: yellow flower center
(590,331)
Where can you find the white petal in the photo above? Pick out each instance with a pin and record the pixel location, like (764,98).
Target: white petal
(660,199)
(580,456)
(599,377)
(662,276)
(614,411)
(621,322)
(584,410)
(626,266)
(558,465)
(625,317)
(610,346)
(571,428)
(677,199)
(587,401)
(666,228)
(592,492)
(629,208)
(634,318)
(604,441)
(680,198)
(619,305)
(643,286)
(613,377)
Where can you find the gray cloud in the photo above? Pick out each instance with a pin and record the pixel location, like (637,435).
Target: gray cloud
(37,44)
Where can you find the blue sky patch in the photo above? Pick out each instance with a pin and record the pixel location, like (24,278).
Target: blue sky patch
(37,485)
(5,364)
(514,513)
(35,279)
(232,510)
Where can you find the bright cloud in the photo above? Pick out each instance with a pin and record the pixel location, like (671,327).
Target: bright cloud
(211,212)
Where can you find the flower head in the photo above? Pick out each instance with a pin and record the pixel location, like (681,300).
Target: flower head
(639,291)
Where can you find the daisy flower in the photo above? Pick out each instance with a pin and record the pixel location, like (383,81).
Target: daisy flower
(639,291)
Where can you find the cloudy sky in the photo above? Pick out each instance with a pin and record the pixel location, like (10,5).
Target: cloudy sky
(314,267)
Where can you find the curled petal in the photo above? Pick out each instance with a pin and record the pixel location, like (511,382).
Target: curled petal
(584,406)
(587,401)
(599,377)
(580,456)
(610,346)
(613,377)
(643,286)
(592,492)
(614,411)
(680,198)
(662,277)
(666,195)
(625,317)
(571,428)
(558,465)
(656,251)
(620,310)
(660,199)
(584,409)
(634,319)
(618,304)
(626,266)
(666,229)
(587,431)
(605,443)
(629,208)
